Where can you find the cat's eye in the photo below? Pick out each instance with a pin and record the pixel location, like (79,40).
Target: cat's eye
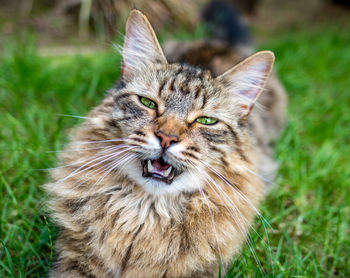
(206,120)
(148,103)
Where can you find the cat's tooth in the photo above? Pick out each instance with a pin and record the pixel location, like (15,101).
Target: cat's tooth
(167,172)
(149,166)
(171,176)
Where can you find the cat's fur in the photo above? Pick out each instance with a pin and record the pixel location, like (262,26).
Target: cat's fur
(116,223)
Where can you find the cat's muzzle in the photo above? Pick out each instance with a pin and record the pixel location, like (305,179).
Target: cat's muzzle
(159,169)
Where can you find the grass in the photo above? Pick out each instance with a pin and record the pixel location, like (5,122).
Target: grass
(308,211)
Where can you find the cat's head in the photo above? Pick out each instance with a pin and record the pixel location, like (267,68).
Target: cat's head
(180,119)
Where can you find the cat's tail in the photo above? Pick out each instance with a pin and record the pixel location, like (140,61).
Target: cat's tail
(225,23)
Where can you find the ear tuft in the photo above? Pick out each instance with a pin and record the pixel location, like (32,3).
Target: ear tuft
(141,47)
(247,79)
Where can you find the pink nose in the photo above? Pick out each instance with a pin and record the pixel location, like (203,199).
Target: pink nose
(165,139)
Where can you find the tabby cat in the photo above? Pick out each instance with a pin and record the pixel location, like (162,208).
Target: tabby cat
(164,177)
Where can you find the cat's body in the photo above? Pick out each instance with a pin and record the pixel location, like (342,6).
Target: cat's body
(121,212)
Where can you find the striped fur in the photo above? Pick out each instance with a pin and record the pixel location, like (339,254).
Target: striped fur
(117,223)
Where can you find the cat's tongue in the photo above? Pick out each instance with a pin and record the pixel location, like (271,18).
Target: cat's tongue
(159,167)
(160,164)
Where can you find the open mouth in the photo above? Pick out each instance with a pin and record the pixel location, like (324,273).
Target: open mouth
(159,169)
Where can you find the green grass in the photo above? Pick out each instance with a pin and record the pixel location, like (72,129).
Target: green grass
(308,211)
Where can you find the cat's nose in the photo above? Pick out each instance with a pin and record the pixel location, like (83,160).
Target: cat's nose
(165,139)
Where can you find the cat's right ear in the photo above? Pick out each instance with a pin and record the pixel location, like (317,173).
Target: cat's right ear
(141,47)
(247,79)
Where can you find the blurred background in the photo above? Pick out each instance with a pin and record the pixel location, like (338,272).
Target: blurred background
(57,61)
(90,22)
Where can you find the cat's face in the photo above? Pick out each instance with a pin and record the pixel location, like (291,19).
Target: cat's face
(179,119)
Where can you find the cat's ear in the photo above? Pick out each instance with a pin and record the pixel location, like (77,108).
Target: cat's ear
(141,47)
(247,79)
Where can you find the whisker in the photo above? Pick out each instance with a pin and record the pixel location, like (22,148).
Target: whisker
(88,149)
(73,116)
(263,219)
(113,167)
(98,141)
(240,219)
(77,171)
(106,150)
(257,175)
(226,197)
(239,215)
(229,183)
(103,168)
(222,177)
(211,215)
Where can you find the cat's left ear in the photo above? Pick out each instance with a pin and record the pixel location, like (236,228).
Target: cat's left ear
(141,47)
(247,79)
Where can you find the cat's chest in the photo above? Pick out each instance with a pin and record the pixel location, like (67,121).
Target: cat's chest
(164,230)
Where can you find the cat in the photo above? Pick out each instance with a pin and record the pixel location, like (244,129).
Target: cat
(164,177)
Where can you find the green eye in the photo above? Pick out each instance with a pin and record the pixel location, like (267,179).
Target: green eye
(149,103)
(206,120)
